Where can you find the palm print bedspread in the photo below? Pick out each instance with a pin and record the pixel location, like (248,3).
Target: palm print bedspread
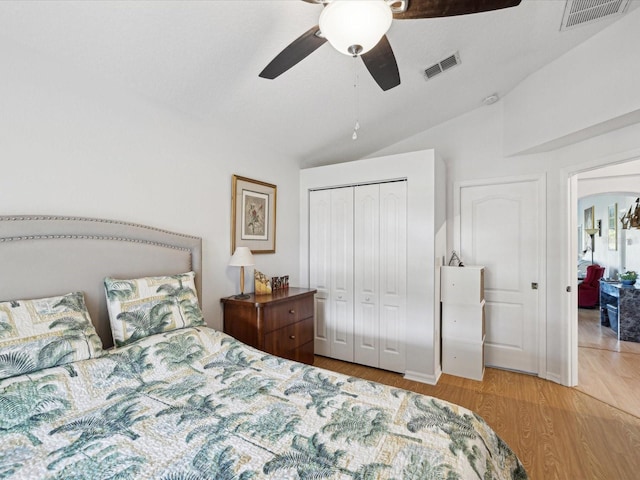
(197,404)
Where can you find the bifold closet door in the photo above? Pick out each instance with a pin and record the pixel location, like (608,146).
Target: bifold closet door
(393,276)
(366,275)
(380,257)
(331,270)
(320,266)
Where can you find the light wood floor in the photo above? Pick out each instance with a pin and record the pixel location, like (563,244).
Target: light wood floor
(608,370)
(557,432)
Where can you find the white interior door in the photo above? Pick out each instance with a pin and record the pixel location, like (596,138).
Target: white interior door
(341,274)
(331,270)
(393,276)
(366,274)
(319,263)
(499,228)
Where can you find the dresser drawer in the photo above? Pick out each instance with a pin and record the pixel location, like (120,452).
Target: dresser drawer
(280,323)
(304,354)
(289,338)
(280,315)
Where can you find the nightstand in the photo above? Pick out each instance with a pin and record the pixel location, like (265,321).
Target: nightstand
(280,323)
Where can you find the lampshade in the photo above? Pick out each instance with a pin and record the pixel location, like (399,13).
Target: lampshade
(354,27)
(242,257)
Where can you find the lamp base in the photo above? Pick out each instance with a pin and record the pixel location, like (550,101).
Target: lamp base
(242,296)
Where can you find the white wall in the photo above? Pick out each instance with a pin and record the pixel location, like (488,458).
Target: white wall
(598,81)
(425,176)
(74,145)
(476,146)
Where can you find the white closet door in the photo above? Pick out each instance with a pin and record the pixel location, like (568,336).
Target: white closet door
(393,276)
(366,274)
(341,274)
(319,266)
(357,262)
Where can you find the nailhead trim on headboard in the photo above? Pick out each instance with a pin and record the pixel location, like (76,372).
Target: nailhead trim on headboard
(88,219)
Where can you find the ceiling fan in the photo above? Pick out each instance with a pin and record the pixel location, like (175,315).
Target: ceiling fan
(358,28)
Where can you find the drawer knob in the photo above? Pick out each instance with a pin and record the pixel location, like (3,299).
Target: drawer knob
(292,312)
(292,337)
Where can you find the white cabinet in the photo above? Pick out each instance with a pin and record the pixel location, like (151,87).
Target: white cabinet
(357,262)
(463,321)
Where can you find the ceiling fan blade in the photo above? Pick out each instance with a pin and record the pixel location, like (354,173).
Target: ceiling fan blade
(298,50)
(381,63)
(449,8)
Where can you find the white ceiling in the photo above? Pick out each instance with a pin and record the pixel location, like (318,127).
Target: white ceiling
(203,58)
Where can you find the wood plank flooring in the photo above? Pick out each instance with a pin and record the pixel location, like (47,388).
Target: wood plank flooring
(608,370)
(557,432)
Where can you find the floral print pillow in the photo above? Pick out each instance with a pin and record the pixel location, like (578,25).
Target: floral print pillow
(145,306)
(45,332)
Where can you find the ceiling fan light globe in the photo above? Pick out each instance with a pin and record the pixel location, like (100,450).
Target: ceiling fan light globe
(349,23)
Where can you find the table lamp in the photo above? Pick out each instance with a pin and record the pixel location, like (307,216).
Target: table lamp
(242,257)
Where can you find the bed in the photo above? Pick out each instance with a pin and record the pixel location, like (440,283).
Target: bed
(186,401)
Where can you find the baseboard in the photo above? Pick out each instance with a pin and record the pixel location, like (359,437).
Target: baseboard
(554,378)
(422,378)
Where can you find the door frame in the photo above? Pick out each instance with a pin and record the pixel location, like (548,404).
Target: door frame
(541,183)
(569,331)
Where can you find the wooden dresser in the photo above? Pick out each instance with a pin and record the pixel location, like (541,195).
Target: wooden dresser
(280,323)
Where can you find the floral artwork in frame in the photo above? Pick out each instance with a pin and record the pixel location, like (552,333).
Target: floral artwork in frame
(253,215)
(613,226)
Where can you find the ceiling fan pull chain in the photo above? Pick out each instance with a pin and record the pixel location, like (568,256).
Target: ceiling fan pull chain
(356,102)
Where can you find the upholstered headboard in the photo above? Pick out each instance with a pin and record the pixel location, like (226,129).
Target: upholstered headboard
(42,256)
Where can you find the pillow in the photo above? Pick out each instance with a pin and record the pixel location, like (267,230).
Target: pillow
(45,332)
(145,306)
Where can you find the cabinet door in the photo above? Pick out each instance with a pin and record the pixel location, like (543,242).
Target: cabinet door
(393,276)
(366,274)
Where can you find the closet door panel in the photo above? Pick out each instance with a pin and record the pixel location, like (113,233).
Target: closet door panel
(393,275)
(341,274)
(366,271)
(319,266)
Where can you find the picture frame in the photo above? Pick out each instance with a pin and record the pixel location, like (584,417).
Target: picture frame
(613,226)
(253,215)
(589,215)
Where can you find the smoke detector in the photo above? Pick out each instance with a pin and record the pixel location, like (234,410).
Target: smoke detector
(581,12)
(490,99)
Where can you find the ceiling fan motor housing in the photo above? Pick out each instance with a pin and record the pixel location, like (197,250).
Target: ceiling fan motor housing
(354,28)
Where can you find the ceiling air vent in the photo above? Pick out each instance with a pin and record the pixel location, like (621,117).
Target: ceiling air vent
(581,12)
(436,69)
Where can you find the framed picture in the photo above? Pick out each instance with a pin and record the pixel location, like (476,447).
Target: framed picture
(589,215)
(253,215)
(613,226)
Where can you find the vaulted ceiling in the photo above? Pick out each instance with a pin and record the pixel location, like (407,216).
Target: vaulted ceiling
(202,58)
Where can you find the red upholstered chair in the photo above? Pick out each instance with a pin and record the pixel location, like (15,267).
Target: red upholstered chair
(589,289)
